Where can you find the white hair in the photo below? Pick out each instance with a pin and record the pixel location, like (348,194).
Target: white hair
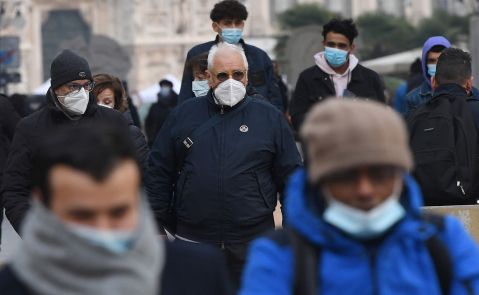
(224,46)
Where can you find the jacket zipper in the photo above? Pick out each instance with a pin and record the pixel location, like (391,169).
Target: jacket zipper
(220,184)
(372,265)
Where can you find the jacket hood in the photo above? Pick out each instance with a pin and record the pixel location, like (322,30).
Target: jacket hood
(321,62)
(306,218)
(430,43)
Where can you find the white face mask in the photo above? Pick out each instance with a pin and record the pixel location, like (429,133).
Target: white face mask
(105,105)
(230,92)
(77,102)
(364,224)
(114,241)
(200,87)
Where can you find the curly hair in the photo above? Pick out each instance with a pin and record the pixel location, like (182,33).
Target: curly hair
(228,9)
(344,27)
(106,81)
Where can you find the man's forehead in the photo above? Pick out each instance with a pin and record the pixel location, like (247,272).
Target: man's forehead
(228,59)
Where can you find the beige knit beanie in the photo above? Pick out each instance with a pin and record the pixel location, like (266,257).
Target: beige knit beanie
(339,134)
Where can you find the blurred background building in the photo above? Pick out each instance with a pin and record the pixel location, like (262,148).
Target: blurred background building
(142,41)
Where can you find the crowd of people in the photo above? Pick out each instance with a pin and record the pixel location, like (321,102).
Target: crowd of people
(188,209)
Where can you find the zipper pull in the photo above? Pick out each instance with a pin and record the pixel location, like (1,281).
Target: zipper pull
(222,246)
(222,111)
(459,185)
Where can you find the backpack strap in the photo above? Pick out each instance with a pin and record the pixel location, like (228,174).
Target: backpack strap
(306,258)
(194,136)
(440,255)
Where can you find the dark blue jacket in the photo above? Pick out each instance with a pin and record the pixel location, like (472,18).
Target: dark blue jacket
(400,264)
(187,271)
(227,189)
(260,73)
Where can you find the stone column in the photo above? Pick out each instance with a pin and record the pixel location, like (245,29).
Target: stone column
(474,47)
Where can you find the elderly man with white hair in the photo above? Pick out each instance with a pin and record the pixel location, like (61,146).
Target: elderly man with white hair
(219,162)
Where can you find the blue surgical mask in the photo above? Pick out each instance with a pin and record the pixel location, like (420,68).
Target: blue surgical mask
(335,57)
(165,91)
(200,88)
(431,70)
(231,35)
(364,224)
(117,242)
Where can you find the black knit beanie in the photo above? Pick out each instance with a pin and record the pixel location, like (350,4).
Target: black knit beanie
(68,66)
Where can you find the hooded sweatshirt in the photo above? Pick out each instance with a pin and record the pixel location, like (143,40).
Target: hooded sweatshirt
(340,81)
(54,260)
(430,43)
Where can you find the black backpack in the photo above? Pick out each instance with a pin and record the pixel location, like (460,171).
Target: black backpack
(443,138)
(307,258)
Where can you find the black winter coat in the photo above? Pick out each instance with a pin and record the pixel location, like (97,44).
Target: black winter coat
(8,121)
(31,131)
(142,150)
(192,270)
(315,85)
(227,189)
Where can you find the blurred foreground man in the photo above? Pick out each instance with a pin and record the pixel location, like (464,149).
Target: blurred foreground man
(69,103)
(354,219)
(90,232)
(219,162)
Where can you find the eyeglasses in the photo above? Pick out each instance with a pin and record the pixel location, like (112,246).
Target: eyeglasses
(75,87)
(236,74)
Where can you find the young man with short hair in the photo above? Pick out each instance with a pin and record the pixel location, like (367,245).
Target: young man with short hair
(337,73)
(228,17)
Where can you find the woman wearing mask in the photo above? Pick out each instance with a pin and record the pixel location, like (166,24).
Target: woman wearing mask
(109,92)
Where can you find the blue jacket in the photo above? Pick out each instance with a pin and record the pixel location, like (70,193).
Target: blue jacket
(400,264)
(228,185)
(422,94)
(260,73)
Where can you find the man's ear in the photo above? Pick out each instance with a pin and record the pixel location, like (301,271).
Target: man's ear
(468,85)
(353,46)
(209,77)
(37,194)
(216,27)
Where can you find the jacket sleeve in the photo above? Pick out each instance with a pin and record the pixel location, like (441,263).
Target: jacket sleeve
(161,175)
(9,119)
(465,258)
(17,178)
(287,158)
(300,103)
(268,269)
(274,94)
(379,88)
(142,150)
(185,90)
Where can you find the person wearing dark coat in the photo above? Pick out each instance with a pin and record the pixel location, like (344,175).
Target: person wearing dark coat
(337,73)
(8,121)
(228,19)
(90,230)
(68,104)
(110,93)
(159,111)
(226,183)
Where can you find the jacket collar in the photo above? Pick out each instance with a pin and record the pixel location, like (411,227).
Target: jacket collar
(54,106)
(451,89)
(305,216)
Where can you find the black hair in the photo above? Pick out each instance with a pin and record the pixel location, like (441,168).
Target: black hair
(165,82)
(228,9)
(199,62)
(437,48)
(453,66)
(93,149)
(344,27)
